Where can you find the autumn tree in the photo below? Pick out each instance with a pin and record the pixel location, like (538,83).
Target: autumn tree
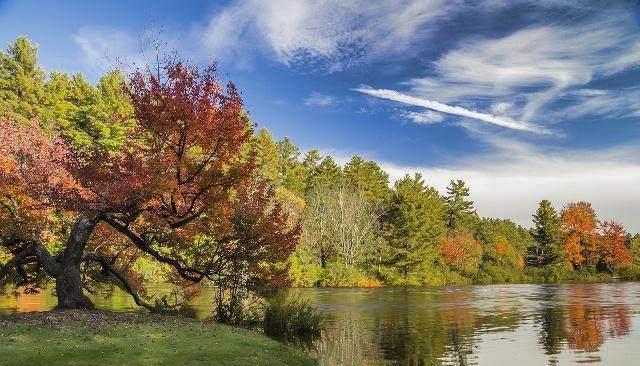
(460,250)
(178,191)
(614,252)
(547,233)
(579,225)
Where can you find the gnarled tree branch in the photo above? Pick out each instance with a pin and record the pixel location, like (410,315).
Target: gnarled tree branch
(106,264)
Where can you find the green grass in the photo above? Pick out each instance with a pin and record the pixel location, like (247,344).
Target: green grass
(101,338)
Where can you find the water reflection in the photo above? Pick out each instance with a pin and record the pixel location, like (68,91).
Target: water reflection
(480,325)
(465,325)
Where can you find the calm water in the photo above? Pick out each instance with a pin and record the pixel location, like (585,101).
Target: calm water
(466,325)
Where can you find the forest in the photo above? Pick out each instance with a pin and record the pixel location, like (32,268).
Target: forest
(308,220)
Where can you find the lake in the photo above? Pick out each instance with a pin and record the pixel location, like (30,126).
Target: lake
(456,325)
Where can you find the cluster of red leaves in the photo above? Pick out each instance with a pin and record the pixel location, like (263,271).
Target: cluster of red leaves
(458,247)
(613,244)
(586,240)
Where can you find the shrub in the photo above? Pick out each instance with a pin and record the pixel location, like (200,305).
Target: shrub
(292,317)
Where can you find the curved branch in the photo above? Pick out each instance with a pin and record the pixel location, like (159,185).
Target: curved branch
(16,261)
(185,272)
(106,264)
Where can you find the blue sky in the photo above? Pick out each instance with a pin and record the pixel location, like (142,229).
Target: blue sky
(523,99)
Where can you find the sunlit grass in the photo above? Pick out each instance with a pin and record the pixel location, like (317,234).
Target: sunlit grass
(138,341)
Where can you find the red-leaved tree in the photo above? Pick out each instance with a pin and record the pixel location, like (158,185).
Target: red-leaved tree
(181,191)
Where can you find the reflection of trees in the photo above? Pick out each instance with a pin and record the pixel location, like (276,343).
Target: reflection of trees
(551,320)
(413,337)
(441,327)
(589,316)
(583,321)
(459,322)
(347,343)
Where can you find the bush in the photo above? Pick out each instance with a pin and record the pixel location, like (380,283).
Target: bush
(292,317)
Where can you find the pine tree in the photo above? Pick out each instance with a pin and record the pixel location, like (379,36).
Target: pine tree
(547,233)
(413,226)
(21,81)
(291,173)
(459,210)
(266,155)
(327,175)
(368,177)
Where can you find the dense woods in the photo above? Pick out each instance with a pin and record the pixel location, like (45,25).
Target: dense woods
(160,175)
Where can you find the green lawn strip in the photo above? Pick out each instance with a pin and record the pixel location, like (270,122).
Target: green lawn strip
(136,341)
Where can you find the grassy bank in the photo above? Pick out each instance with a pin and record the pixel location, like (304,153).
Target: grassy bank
(103,338)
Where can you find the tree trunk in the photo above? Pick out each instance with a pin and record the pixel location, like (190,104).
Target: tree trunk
(68,282)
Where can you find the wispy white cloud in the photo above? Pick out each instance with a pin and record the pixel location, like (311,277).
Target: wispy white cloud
(611,103)
(319,100)
(455,110)
(533,65)
(423,118)
(106,48)
(332,34)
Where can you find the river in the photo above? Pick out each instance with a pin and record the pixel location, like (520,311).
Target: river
(456,325)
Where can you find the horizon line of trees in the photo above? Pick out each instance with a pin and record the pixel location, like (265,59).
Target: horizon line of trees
(358,230)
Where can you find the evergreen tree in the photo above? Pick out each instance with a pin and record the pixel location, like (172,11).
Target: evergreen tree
(368,177)
(327,175)
(21,81)
(290,169)
(413,226)
(311,159)
(266,152)
(459,210)
(547,233)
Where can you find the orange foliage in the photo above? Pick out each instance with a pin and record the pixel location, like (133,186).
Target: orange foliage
(612,243)
(458,247)
(580,237)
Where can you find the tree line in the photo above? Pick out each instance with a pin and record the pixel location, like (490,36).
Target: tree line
(358,230)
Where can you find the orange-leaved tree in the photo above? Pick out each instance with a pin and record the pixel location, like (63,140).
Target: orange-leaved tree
(180,191)
(579,225)
(614,252)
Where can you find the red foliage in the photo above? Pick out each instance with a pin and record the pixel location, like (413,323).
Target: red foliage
(612,243)
(180,191)
(457,248)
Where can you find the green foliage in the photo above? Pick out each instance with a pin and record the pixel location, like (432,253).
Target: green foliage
(91,116)
(367,177)
(326,175)
(21,81)
(547,233)
(460,211)
(338,274)
(266,154)
(413,224)
(290,170)
(292,317)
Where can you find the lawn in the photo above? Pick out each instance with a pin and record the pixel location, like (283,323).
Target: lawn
(104,338)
